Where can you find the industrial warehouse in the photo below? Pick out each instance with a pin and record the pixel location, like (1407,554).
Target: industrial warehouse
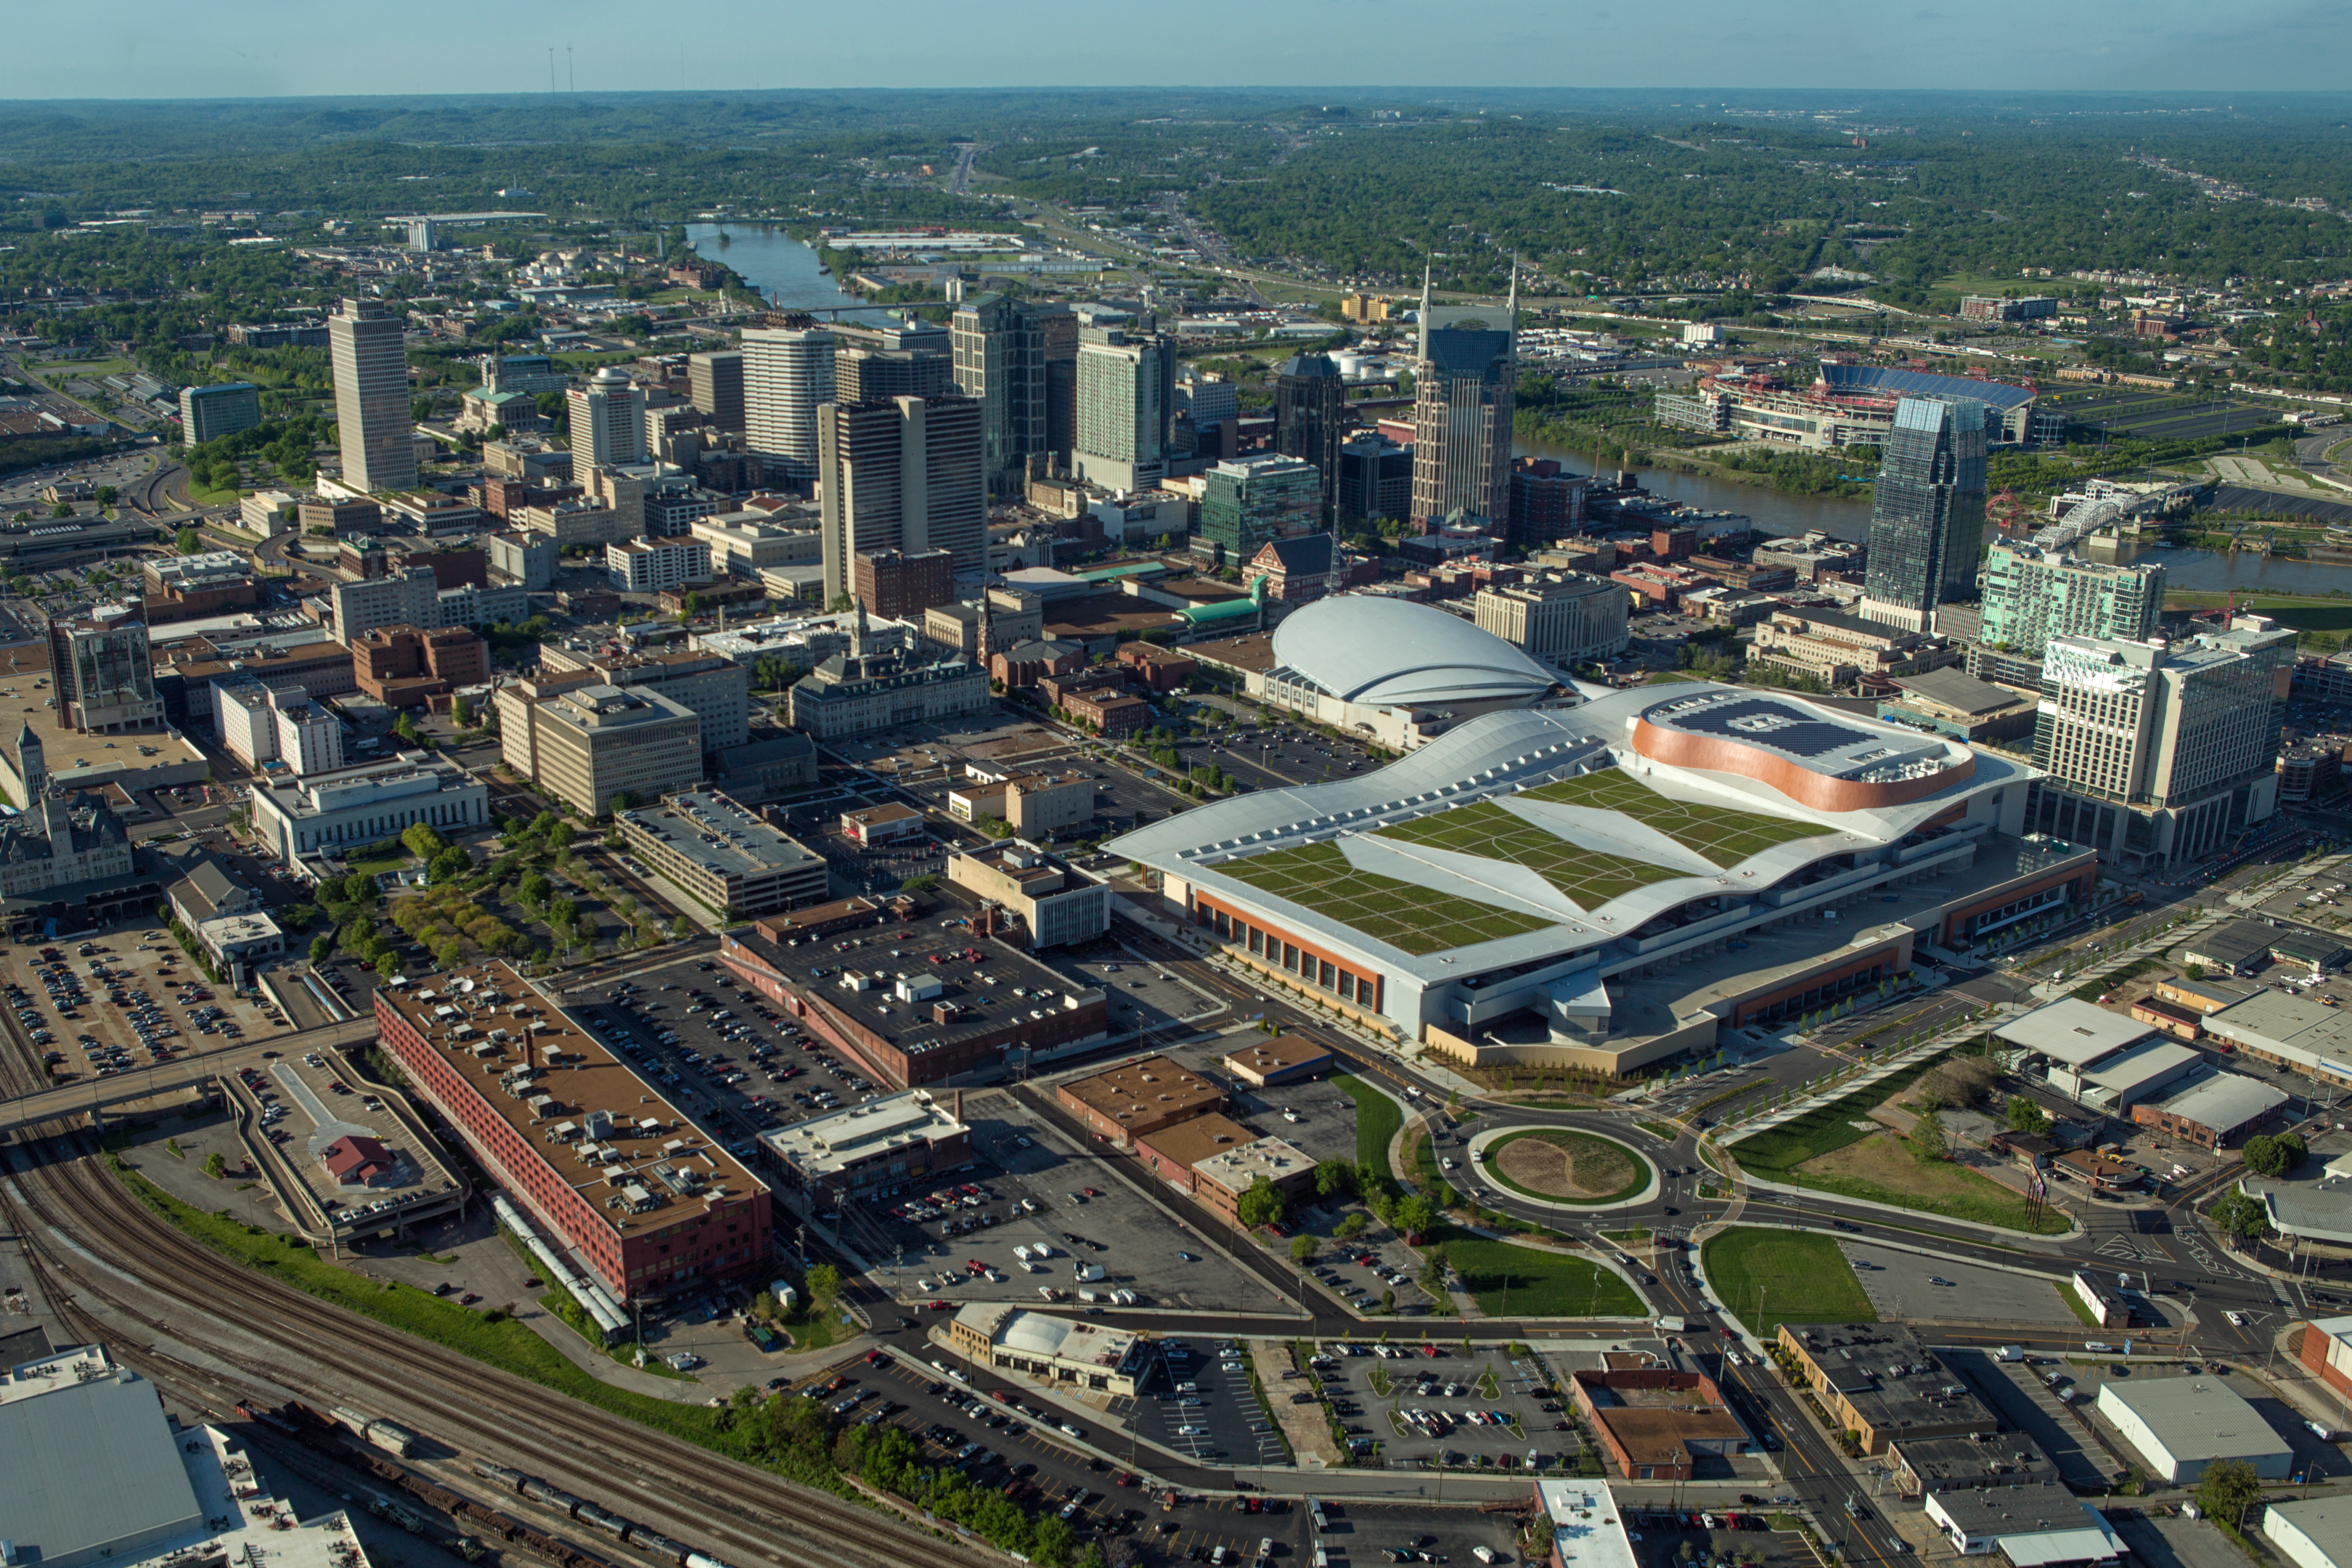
(1610,886)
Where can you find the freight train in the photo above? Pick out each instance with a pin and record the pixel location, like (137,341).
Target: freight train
(325,1435)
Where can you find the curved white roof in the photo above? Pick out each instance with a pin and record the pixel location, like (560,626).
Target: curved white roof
(1375,650)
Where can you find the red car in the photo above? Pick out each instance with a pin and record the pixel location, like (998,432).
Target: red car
(935,1306)
(1091,1192)
(874,1358)
(974,1266)
(1432,1352)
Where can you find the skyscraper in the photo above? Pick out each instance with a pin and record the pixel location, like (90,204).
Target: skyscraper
(372,414)
(998,355)
(1464,378)
(2031,594)
(787,377)
(716,381)
(1310,416)
(901,359)
(2157,752)
(1927,524)
(903,475)
(1247,501)
(608,421)
(1125,393)
(208,413)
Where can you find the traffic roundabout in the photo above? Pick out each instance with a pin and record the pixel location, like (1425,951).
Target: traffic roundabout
(1564,1168)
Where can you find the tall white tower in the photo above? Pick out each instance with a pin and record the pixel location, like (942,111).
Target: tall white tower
(371,415)
(787,376)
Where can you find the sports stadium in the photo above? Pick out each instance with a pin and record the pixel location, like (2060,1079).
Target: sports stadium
(1658,873)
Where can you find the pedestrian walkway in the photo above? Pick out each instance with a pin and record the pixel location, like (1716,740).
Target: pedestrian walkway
(2124,957)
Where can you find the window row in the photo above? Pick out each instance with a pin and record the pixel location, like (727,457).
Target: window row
(1320,972)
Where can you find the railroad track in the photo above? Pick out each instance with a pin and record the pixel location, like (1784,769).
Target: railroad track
(90,1240)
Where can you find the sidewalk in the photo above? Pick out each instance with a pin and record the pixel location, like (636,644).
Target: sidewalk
(1855,1083)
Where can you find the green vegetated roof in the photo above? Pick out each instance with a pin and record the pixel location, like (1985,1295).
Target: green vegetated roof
(1725,836)
(1410,918)
(1590,877)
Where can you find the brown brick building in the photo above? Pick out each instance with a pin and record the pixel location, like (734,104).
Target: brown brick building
(1138,1098)
(404,667)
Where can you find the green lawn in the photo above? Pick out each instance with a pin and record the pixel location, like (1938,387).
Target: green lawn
(1660,1129)
(1590,877)
(2066,1289)
(1776,1152)
(1521,1281)
(1413,920)
(1724,838)
(1768,1277)
(377,865)
(1584,1150)
(1377,1117)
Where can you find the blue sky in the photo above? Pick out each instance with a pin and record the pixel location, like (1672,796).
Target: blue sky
(277,47)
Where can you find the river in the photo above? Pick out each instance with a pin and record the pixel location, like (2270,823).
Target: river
(779,267)
(1775,513)
(785,271)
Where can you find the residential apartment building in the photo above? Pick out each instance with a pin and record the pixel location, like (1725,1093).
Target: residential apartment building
(999,359)
(2031,594)
(366,346)
(608,420)
(725,855)
(208,413)
(2156,754)
(787,377)
(650,565)
(1126,399)
(1566,618)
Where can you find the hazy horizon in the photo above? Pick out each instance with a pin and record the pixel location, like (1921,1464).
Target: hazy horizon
(272,48)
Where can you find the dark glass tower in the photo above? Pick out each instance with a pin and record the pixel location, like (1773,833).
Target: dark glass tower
(1927,524)
(1310,416)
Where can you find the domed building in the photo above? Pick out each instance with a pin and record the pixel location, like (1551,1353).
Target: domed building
(1394,671)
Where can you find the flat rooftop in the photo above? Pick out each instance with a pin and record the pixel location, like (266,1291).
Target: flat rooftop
(1254,652)
(1888,1373)
(2001,1459)
(607,1132)
(2072,1031)
(2298,1029)
(1194,1140)
(1237,1170)
(824,1144)
(723,837)
(1152,1089)
(1279,1054)
(2324,1521)
(63,751)
(1587,1528)
(2234,943)
(982,994)
(1057,1338)
(89,1467)
(2224,1100)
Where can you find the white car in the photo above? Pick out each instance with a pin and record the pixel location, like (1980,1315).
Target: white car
(2237,1319)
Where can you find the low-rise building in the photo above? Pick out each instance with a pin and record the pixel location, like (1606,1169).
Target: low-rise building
(1880,1381)
(1285,1059)
(725,855)
(1156,669)
(1560,617)
(650,565)
(886,824)
(1108,712)
(2211,1108)
(207,892)
(892,1141)
(245,939)
(1654,1424)
(1170,1153)
(408,666)
(1056,1352)
(2311,1532)
(295,818)
(1222,1179)
(2286,1030)
(1839,649)
(2096,1297)
(2102,1060)
(1055,902)
(1137,1097)
(2233,947)
(1954,703)
(2180,1426)
(1034,805)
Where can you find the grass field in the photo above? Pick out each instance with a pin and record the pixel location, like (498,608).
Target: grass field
(1606,1170)
(1520,1279)
(1413,920)
(1589,876)
(1768,1277)
(1724,838)
(1377,1120)
(1880,1167)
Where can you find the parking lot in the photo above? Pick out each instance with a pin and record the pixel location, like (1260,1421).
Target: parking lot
(1042,1190)
(1197,1400)
(1904,1285)
(308,1106)
(1430,1405)
(121,1001)
(1009,1434)
(1144,995)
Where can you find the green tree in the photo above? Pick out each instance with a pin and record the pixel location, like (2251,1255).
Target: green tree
(322,948)
(1261,1205)
(1929,1139)
(622,801)
(422,840)
(2241,1216)
(1414,1215)
(1352,1226)
(189,541)
(2229,1489)
(1334,1178)
(2268,1155)
(1302,1249)
(450,865)
(461,713)
(2025,1115)
(536,890)
(1433,1270)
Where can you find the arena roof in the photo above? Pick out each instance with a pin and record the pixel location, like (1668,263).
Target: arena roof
(1534,831)
(1886,380)
(1373,650)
